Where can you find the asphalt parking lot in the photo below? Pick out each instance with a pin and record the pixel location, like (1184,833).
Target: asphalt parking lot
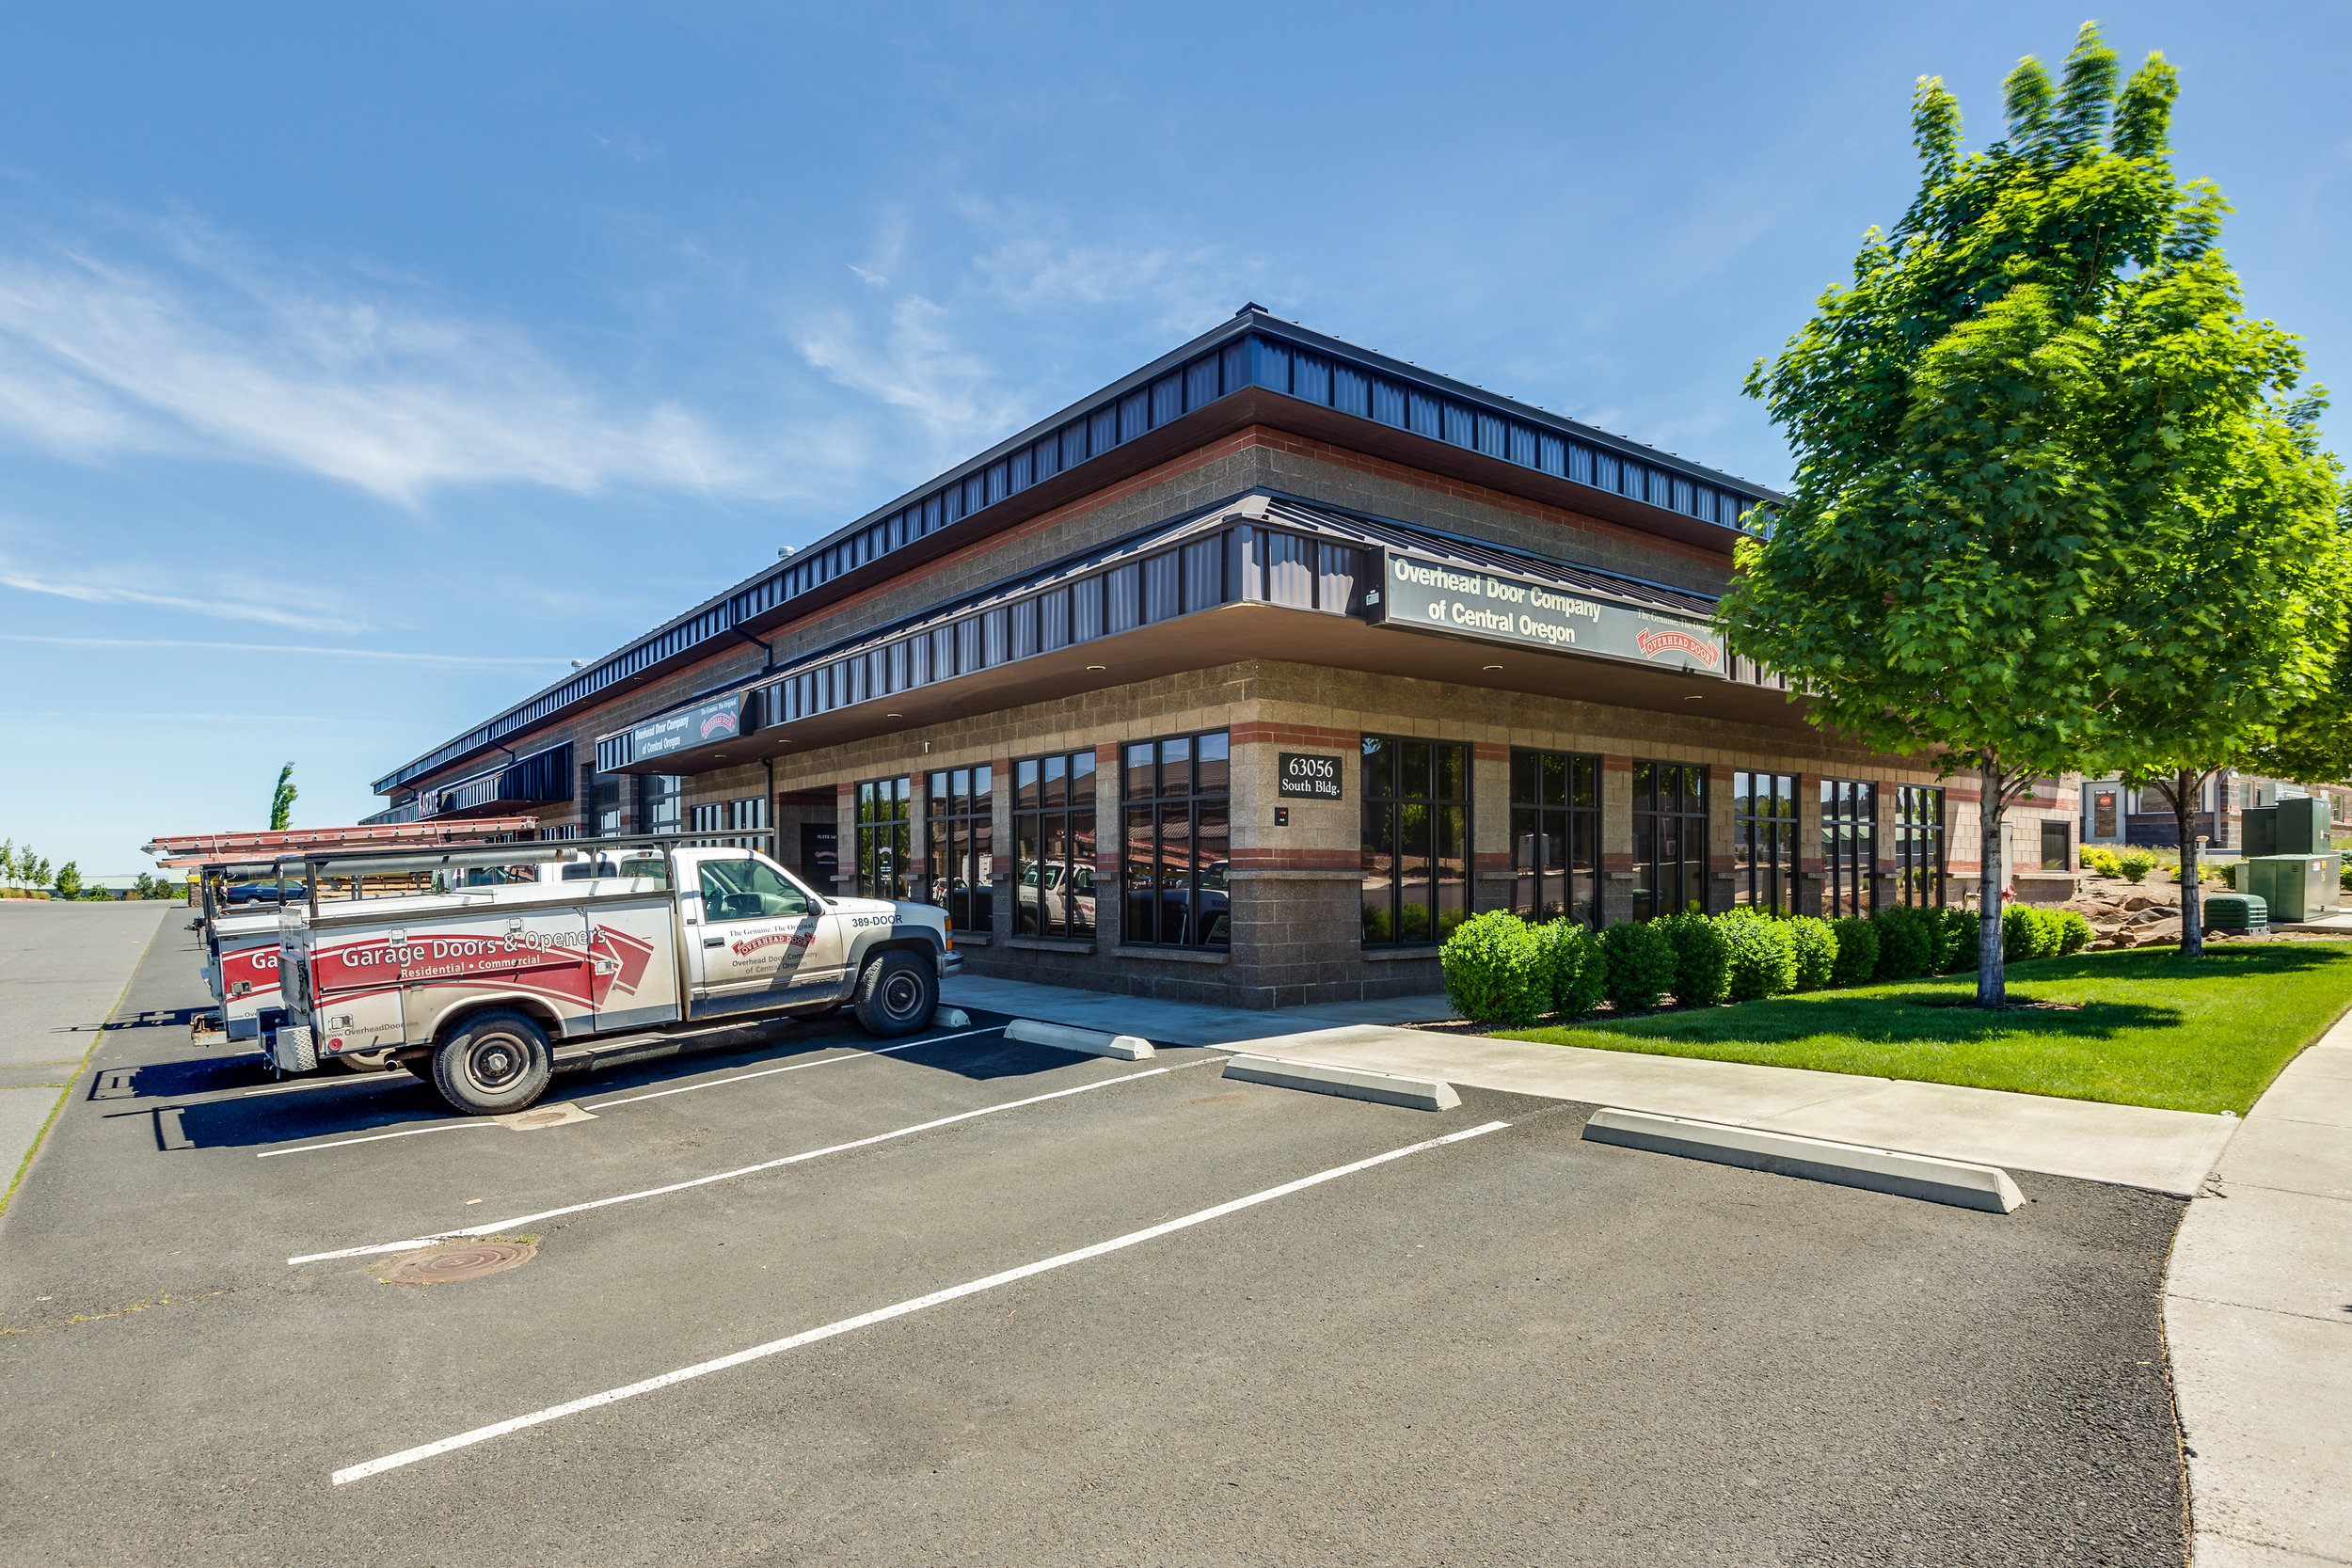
(1272,1327)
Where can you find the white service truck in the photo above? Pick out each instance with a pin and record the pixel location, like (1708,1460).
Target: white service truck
(523,945)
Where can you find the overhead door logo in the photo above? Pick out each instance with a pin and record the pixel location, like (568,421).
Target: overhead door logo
(1653,642)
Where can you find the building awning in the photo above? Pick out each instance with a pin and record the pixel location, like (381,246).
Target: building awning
(542,779)
(1284,579)
(177,851)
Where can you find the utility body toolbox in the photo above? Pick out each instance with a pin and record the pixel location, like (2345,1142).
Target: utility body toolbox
(520,945)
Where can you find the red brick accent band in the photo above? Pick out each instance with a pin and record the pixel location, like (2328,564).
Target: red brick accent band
(1258,732)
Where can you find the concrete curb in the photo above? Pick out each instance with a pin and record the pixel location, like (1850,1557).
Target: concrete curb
(1420,1094)
(1092,1043)
(1878,1170)
(952,1018)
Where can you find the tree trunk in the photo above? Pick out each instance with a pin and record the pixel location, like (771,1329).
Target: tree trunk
(1992,980)
(2184,788)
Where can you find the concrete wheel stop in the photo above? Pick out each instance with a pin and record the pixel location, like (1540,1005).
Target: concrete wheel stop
(1384,1088)
(1092,1043)
(1877,1170)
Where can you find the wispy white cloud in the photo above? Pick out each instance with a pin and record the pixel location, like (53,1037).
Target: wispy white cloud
(400,656)
(229,602)
(909,360)
(224,357)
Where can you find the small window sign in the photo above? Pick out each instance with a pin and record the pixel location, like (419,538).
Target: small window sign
(1308,776)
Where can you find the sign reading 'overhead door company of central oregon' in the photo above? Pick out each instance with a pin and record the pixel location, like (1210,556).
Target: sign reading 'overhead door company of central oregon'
(1465,601)
(719,718)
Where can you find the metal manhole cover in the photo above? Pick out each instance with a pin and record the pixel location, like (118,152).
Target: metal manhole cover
(447,1265)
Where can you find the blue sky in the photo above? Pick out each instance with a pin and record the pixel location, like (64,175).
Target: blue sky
(361,367)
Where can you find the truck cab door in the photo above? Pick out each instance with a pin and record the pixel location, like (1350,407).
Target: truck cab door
(760,941)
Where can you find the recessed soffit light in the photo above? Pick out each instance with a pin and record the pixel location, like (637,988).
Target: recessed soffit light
(1098,667)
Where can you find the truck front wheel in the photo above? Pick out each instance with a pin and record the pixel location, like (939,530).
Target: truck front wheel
(897,995)
(495,1062)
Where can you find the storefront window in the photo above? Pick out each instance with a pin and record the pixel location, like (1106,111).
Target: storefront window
(607,795)
(1417,838)
(958,825)
(733,823)
(1053,827)
(1764,841)
(662,804)
(1850,834)
(1918,844)
(882,838)
(1669,838)
(1178,841)
(1555,835)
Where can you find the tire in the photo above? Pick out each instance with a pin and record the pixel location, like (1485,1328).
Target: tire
(897,995)
(495,1062)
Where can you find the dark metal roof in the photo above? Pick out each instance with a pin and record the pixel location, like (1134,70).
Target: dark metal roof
(1253,351)
(978,633)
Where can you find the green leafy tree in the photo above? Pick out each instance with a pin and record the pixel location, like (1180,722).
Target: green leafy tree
(282,801)
(2006,429)
(69,880)
(36,871)
(7,860)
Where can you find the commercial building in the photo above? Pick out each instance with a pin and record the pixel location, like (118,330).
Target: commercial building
(1245,679)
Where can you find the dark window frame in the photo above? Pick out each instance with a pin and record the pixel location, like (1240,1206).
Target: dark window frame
(1850,836)
(1396,821)
(1555,835)
(1764,841)
(1180,881)
(958,844)
(885,817)
(1920,845)
(1053,829)
(1664,820)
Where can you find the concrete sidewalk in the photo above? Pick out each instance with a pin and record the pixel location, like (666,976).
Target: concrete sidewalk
(63,968)
(2165,1151)
(2258,1322)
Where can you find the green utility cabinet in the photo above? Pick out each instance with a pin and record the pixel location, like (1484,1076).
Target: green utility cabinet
(2304,827)
(2237,911)
(2295,887)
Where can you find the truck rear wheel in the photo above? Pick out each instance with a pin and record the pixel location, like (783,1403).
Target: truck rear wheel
(495,1062)
(897,995)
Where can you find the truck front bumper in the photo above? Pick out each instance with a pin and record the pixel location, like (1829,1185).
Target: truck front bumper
(949,964)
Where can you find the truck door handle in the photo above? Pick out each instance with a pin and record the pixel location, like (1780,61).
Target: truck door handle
(714,941)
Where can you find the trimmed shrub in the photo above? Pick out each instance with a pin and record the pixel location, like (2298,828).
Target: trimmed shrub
(1638,965)
(2134,864)
(1568,958)
(1956,940)
(1907,942)
(1763,958)
(2028,933)
(1702,959)
(2073,931)
(1816,946)
(1857,950)
(1493,972)
(2099,858)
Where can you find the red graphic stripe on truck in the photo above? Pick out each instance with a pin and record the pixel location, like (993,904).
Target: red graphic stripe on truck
(581,967)
(255,967)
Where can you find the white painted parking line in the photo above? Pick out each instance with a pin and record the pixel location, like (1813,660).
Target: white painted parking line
(793,1066)
(626,1100)
(372,1138)
(495,1225)
(883,1314)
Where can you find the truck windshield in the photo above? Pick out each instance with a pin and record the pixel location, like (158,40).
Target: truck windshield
(748,890)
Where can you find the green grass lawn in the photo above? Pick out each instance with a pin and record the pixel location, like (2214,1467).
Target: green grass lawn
(2147,1027)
